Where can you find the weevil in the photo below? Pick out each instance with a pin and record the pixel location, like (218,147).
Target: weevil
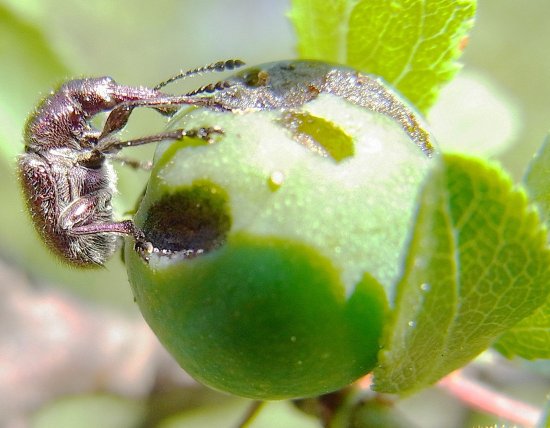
(66,169)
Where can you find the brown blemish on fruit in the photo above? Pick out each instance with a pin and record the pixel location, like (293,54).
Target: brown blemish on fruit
(191,221)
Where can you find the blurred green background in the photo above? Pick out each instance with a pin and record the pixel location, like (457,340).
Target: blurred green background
(44,42)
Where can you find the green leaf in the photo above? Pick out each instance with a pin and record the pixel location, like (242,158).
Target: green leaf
(537,180)
(412,44)
(477,264)
(530,338)
(322,28)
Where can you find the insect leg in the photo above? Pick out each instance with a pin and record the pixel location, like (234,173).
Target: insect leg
(80,218)
(85,211)
(133,163)
(113,146)
(124,227)
(117,119)
(203,133)
(166,104)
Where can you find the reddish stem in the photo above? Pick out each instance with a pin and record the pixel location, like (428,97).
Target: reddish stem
(483,398)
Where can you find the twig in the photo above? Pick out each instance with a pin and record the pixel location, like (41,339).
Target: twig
(483,398)
(251,413)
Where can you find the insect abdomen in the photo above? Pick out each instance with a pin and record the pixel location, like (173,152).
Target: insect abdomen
(41,192)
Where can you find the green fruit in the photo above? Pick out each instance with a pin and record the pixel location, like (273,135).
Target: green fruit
(264,318)
(276,259)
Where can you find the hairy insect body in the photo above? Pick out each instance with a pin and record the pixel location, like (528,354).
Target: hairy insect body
(62,197)
(61,120)
(67,183)
(65,171)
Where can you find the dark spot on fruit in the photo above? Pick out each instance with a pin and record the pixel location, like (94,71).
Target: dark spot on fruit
(193,220)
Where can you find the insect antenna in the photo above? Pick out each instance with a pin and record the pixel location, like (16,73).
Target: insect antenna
(211,87)
(229,64)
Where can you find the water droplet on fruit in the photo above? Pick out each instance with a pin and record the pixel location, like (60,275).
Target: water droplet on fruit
(276,180)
